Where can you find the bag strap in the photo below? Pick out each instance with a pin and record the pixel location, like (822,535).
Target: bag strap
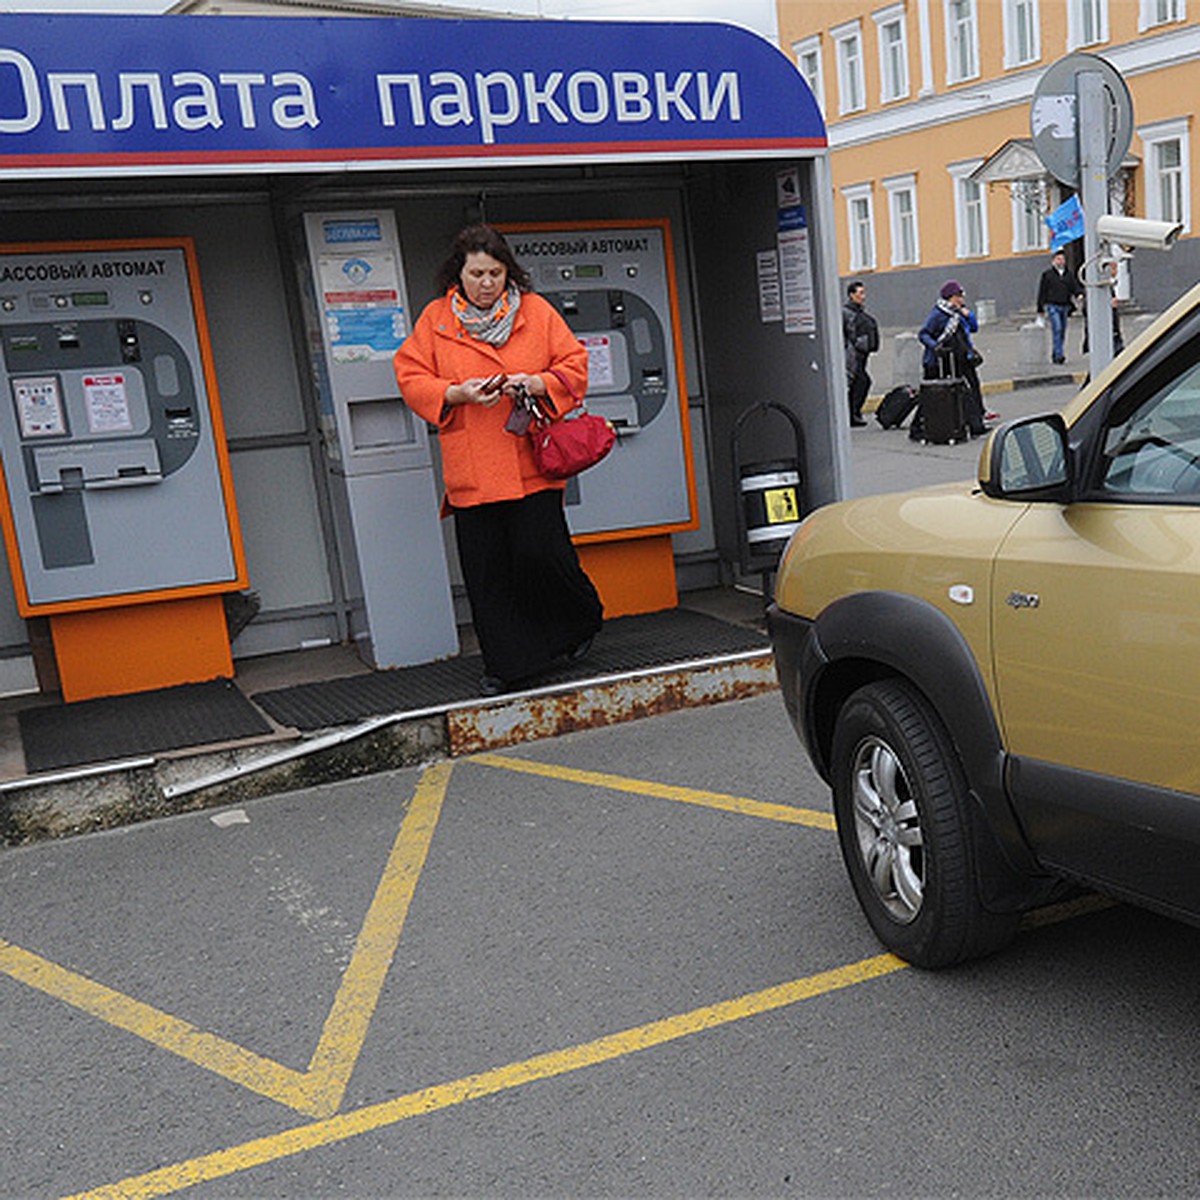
(579,401)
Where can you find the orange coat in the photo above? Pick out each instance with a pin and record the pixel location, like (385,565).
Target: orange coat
(481,462)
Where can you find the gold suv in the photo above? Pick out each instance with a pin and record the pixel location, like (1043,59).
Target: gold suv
(1000,681)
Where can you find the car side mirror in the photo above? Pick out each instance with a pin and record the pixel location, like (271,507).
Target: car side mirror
(1027,459)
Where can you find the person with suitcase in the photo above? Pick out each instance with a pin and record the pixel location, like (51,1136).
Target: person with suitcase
(951,402)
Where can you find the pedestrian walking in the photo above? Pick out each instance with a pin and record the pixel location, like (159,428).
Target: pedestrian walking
(486,337)
(860,333)
(1057,296)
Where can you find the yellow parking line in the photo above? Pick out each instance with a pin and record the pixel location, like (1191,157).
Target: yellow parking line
(163,1030)
(664,791)
(261,1151)
(318,1091)
(346,1026)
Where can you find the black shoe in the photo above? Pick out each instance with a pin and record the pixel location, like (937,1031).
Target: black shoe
(580,652)
(492,685)
(857,421)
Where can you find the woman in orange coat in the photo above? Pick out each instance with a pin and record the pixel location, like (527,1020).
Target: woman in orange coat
(487,334)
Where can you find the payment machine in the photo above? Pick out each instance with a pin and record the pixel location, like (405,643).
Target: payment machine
(377,452)
(615,287)
(118,507)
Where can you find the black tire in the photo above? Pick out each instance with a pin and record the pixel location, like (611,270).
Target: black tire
(903,817)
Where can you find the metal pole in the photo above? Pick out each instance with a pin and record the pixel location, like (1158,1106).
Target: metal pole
(1093,122)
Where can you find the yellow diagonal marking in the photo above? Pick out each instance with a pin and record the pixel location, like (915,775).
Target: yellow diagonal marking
(264,1150)
(318,1091)
(169,1033)
(664,791)
(353,1007)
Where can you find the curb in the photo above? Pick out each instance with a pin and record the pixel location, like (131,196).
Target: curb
(1019,383)
(112,795)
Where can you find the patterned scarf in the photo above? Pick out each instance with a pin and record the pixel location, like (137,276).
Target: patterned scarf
(492,325)
(955,318)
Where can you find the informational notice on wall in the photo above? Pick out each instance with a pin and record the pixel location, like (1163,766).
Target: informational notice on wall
(795,261)
(770,294)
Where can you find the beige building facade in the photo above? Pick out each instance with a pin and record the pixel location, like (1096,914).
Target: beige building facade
(927,105)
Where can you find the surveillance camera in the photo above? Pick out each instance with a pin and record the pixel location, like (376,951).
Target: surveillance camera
(1134,231)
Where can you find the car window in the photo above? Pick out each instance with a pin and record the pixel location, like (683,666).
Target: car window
(1151,446)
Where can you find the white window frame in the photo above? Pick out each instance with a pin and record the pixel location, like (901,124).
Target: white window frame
(893,56)
(969,199)
(1023,224)
(962,41)
(851,74)
(811,48)
(1013,56)
(1151,16)
(898,187)
(1154,137)
(860,199)
(1078,18)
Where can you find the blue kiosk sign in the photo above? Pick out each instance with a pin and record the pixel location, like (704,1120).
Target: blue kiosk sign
(178,95)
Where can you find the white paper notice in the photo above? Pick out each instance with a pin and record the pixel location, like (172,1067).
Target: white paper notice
(770,295)
(600,362)
(107,404)
(799,312)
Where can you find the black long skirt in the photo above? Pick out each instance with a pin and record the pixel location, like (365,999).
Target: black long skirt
(531,601)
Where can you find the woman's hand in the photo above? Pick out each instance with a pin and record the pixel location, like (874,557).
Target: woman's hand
(535,385)
(483,391)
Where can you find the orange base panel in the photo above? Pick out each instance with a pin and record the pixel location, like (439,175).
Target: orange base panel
(634,576)
(140,647)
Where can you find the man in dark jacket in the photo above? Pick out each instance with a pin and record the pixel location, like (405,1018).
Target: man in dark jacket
(860,333)
(1057,296)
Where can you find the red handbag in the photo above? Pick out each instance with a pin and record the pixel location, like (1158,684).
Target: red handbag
(579,440)
(564,448)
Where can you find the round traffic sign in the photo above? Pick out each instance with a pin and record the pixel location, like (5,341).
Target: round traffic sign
(1053,115)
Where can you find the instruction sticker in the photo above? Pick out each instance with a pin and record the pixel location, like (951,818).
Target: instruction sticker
(781,505)
(601,373)
(107,404)
(40,407)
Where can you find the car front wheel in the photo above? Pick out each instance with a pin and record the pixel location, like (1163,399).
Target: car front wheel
(903,816)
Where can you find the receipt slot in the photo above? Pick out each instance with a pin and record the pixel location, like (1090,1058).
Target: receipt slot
(377,452)
(615,286)
(118,513)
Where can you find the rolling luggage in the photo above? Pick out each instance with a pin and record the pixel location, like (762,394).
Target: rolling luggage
(895,406)
(941,408)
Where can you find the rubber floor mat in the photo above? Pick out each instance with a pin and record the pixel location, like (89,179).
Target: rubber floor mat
(113,727)
(624,644)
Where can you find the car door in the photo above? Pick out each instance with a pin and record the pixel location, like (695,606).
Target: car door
(1096,624)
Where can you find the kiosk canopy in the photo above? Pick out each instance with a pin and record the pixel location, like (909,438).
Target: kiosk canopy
(110,95)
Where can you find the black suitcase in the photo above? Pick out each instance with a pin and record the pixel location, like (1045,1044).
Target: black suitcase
(941,412)
(895,406)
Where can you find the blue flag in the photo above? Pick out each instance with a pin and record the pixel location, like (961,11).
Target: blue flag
(1066,223)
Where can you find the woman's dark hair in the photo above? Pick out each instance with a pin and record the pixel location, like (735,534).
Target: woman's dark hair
(472,240)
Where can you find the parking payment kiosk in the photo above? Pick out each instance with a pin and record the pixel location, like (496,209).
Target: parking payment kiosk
(377,451)
(118,510)
(615,287)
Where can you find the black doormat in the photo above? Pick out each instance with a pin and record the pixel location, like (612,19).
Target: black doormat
(89,731)
(624,644)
